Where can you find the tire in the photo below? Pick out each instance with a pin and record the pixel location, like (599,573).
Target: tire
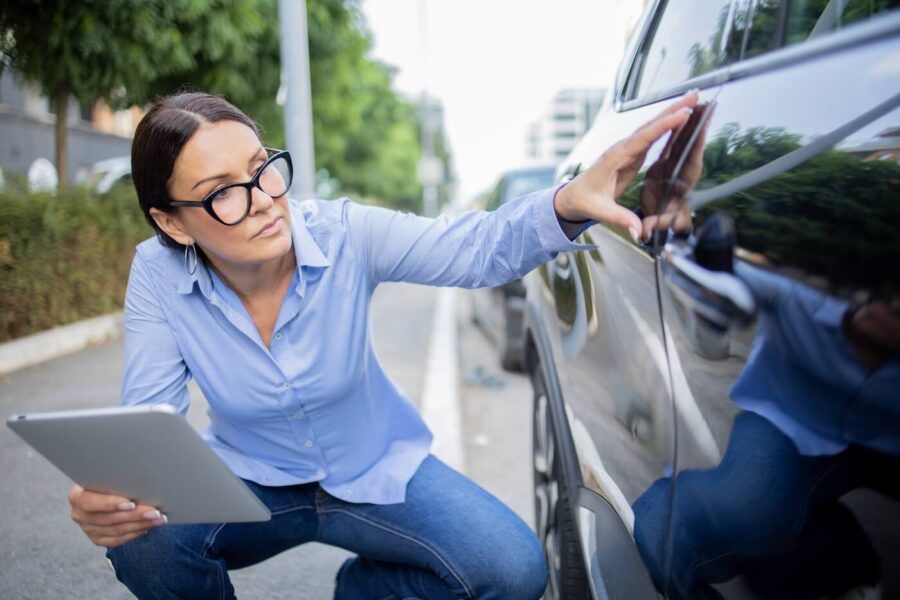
(511,355)
(554,521)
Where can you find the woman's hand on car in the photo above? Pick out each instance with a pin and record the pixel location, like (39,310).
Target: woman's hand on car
(592,193)
(110,520)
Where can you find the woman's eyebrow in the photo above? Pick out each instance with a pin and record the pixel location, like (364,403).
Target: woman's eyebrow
(224,175)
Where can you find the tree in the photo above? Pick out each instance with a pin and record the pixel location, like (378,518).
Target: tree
(93,50)
(133,51)
(364,134)
(235,52)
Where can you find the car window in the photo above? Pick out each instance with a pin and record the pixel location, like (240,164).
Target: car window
(809,19)
(754,29)
(756,26)
(686,42)
(525,183)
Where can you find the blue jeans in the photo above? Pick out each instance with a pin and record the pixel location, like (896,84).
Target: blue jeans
(449,539)
(766,512)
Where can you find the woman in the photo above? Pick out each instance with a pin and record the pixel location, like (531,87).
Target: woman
(264,300)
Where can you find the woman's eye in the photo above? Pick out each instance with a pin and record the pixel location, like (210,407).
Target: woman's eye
(218,195)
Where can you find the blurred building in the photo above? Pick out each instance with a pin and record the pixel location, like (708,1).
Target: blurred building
(885,145)
(568,117)
(27,124)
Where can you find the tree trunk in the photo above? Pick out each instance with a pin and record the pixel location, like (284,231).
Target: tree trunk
(62,133)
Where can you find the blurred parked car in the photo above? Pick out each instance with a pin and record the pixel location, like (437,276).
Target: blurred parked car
(105,174)
(717,409)
(499,310)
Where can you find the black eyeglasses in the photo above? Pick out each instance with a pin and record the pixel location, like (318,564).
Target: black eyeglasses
(230,204)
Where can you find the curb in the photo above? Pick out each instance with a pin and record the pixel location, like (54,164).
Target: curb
(46,345)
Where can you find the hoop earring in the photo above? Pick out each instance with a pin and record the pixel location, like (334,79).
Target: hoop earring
(187,261)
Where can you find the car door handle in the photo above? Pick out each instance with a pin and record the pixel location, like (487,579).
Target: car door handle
(700,275)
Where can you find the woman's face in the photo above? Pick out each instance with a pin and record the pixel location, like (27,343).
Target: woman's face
(220,153)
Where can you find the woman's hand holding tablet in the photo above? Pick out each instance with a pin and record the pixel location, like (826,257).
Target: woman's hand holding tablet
(110,520)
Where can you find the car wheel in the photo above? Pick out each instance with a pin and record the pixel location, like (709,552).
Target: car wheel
(553,516)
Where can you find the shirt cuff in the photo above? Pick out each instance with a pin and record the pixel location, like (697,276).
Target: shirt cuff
(556,234)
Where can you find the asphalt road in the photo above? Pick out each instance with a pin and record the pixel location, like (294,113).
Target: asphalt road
(44,555)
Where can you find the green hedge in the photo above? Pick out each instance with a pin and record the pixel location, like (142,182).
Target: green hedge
(64,258)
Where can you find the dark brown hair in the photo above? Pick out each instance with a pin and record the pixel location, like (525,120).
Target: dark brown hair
(159,139)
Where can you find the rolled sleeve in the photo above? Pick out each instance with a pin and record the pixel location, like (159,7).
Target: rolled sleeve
(556,234)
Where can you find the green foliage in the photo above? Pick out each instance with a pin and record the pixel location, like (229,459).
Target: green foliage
(64,258)
(365,135)
(234,52)
(133,51)
(834,217)
(97,49)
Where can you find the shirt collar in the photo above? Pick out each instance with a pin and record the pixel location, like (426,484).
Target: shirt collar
(306,251)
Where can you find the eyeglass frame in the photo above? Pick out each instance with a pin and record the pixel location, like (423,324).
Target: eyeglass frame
(206,202)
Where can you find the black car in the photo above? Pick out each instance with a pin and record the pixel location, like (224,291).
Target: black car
(499,310)
(717,408)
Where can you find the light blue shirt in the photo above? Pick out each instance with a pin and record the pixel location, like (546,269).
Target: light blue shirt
(804,376)
(317,405)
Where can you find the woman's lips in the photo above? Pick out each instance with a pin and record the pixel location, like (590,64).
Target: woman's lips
(271,228)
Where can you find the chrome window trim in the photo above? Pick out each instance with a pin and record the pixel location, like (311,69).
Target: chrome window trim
(623,74)
(857,34)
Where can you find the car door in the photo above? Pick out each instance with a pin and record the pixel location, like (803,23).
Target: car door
(779,296)
(601,310)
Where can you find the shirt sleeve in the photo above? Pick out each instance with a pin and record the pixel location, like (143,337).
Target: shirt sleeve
(476,249)
(155,371)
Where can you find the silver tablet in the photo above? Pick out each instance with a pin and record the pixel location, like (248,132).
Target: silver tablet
(148,453)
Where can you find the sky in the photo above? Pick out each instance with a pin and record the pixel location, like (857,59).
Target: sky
(495,65)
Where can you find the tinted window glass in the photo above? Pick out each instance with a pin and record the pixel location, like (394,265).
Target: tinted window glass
(811,18)
(754,29)
(524,183)
(685,43)
(688,42)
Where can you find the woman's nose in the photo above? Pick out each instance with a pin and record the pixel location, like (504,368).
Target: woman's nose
(259,200)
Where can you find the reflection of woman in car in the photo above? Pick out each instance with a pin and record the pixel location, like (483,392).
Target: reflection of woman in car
(821,418)
(264,300)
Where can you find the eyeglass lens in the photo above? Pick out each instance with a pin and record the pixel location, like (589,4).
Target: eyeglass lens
(231,204)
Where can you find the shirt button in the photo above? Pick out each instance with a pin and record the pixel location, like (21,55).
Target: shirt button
(287,385)
(308,443)
(278,336)
(320,472)
(297,416)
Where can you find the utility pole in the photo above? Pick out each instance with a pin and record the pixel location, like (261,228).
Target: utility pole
(298,97)
(429,169)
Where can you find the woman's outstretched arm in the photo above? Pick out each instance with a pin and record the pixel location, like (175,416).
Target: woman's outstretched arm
(480,248)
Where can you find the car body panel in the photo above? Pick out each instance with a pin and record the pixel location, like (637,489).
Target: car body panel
(807,171)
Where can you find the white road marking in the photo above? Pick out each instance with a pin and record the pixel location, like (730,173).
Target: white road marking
(440,395)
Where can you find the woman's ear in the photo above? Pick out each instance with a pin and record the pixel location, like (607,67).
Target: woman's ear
(171,224)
